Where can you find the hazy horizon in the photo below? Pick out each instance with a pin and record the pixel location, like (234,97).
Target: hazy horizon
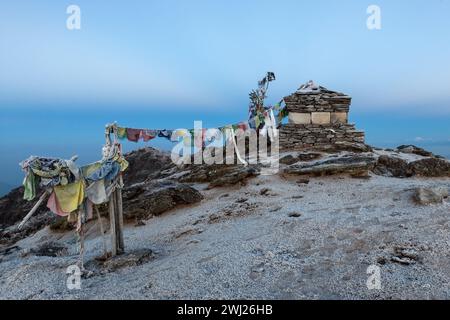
(88,137)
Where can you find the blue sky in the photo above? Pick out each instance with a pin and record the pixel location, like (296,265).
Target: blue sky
(168,63)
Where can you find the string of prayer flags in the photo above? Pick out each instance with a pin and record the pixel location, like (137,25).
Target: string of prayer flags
(258,121)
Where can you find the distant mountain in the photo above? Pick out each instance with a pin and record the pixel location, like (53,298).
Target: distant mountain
(4,188)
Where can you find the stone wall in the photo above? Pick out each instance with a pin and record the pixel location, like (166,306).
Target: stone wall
(331,137)
(324,101)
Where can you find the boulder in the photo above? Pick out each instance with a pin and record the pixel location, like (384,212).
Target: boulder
(351,146)
(414,150)
(397,167)
(288,159)
(144,200)
(220,175)
(293,158)
(392,167)
(427,196)
(430,167)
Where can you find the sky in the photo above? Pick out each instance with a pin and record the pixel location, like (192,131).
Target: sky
(164,64)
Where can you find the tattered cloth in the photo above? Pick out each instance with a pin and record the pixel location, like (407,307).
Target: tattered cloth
(47,172)
(71,185)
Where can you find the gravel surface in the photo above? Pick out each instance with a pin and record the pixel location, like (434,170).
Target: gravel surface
(295,240)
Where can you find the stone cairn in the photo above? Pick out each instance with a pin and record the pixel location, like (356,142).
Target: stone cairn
(318,120)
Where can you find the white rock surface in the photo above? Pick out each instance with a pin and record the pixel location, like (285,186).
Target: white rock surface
(223,248)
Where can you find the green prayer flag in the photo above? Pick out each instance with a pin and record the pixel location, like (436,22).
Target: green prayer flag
(29,184)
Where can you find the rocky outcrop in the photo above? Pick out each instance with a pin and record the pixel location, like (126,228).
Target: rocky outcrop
(146,164)
(396,167)
(10,234)
(431,167)
(220,175)
(297,157)
(427,196)
(392,167)
(144,200)
(414,150)
(354,164)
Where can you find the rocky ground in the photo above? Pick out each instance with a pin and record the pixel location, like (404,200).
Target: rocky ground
(309,232)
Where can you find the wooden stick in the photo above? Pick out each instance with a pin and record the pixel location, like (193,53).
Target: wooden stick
(119,215)
(116,220)
(112,220)
(102,230)
(33,210)
(120,219)
(81,237)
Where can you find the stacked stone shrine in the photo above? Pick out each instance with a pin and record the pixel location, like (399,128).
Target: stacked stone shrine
(318,120)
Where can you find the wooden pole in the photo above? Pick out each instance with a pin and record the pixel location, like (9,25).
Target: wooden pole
(116,221)
(112,219)
(80,230)
(119,221)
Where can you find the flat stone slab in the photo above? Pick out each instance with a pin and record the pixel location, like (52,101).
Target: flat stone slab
(299,118)
(320,117)
(352,164)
